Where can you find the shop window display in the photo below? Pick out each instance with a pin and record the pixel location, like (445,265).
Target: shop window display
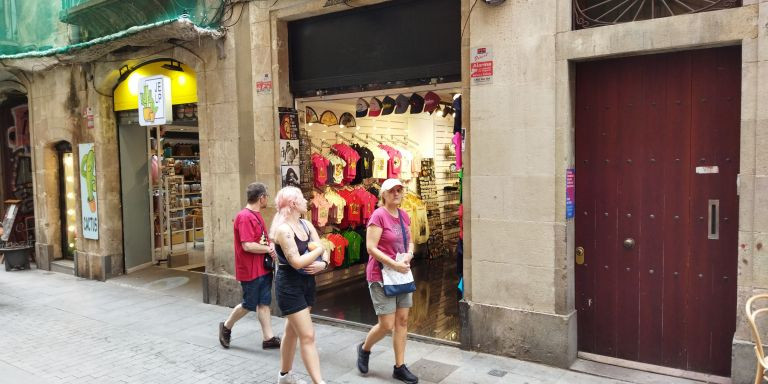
(407,135)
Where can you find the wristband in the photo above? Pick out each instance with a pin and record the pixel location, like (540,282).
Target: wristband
(326,264)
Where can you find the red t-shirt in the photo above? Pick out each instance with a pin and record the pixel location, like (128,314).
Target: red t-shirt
(320,170)
(395,162)
(340,243)
(369,203)
(354,207)
(249,227)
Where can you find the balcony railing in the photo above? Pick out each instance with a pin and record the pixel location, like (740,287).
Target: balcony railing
(101,17)
(595,13)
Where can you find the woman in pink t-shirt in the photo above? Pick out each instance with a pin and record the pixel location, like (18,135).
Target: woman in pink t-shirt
(387,237)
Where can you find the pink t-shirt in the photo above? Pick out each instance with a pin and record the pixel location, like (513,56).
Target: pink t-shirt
(391,241)
(457,144)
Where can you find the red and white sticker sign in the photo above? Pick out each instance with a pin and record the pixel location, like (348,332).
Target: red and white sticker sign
(481,65)
(264,87)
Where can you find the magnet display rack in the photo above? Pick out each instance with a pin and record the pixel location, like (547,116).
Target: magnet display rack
(428,192)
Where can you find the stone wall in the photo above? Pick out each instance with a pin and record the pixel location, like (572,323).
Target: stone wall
(57,99)
(525,121)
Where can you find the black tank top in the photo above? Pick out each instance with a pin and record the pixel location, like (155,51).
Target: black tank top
(302,245)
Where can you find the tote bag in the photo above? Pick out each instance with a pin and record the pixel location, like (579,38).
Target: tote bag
(396,283)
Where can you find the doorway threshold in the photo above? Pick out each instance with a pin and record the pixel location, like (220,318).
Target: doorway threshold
(639,373)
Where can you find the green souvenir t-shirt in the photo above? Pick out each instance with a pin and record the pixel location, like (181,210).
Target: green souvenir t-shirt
(353,250)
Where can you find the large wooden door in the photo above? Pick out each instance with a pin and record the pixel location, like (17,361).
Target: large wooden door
(657,158)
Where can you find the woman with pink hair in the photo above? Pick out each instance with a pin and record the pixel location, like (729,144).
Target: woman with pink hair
(295,281)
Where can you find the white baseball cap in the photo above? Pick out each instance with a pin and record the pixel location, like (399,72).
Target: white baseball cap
(389,184)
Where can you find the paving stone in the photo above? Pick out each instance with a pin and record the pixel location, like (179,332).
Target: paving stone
(94,332)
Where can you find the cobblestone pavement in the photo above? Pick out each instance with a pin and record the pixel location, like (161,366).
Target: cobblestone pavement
(61,329)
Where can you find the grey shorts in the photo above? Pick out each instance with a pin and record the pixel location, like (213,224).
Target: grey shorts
(384,305)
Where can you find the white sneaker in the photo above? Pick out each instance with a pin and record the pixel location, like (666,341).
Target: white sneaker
(289,378)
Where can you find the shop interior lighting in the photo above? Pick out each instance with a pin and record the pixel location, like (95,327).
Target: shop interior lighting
(173,65)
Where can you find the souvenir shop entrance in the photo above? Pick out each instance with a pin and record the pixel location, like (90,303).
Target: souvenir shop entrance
(160,175)
(367,137)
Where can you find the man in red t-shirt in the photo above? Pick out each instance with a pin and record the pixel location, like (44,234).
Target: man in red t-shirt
(252,245)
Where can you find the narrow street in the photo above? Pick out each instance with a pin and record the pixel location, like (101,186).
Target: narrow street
(85,331)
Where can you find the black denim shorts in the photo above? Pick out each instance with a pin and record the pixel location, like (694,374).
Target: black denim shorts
(257,292)
(293,291)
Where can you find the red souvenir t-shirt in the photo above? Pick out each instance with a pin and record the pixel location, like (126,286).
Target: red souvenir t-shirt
(340,243)
(369,203)
(395,162)
(320,170)
(249,227)
(353,214)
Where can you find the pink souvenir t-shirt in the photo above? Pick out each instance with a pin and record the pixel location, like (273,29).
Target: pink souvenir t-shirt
(457,144)
(391,241)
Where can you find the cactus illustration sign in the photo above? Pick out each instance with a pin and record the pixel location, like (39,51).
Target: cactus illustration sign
(155,100)
(88,200)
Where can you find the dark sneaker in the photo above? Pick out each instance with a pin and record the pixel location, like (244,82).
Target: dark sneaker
(362,359)
(224,335)
(403,374)
(273,343)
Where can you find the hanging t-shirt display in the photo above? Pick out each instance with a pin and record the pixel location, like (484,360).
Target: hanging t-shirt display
(406,162)
(352,214)
(340,244)
(336,213)
(395,161)
(348,171)
(380,161)
(457,145)
(320,209)
(337,177)
(320,170)
(353,249)
(350,157)
(364,164)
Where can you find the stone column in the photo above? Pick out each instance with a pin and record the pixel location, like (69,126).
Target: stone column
(753,179)
(227,140)
(518,266)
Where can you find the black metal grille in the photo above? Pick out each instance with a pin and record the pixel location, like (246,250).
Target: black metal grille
(595,13)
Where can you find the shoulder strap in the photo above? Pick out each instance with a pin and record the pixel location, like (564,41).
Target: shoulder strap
(402,230)
(306,229)
(262,224)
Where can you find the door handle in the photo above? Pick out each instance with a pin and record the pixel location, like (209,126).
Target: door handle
(629,243)
(713,224)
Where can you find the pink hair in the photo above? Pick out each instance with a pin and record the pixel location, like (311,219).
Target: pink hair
(285,202)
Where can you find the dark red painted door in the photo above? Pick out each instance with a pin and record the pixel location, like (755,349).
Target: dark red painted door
(657,157)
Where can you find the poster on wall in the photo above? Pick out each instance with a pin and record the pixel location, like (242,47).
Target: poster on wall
(291,176)
(88,196)
(289,152)
(289,123)
(481,65)
(155,100)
